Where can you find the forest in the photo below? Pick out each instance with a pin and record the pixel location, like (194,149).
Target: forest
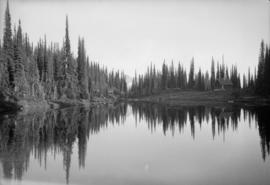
(174,76)
(50,71)
(65,118)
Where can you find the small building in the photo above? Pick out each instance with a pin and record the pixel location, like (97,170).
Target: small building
(225,84)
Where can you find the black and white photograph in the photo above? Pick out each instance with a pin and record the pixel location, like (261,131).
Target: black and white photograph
(134,92)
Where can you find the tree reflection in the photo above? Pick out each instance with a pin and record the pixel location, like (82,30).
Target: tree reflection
(51,132)
(261,114)
(56,131)
(221,119)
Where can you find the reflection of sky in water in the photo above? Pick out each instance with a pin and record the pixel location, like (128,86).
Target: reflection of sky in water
(131,153)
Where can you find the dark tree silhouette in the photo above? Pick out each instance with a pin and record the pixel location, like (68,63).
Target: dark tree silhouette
(191,81)
(169,78)
(8,48)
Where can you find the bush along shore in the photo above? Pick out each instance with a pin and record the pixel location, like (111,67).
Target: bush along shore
(48,75)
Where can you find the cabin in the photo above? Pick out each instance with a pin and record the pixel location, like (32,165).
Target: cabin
(225,84)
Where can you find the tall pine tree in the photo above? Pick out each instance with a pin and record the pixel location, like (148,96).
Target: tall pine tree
(260,73)
(82,77)
(8,48)
(213,76)
(191,80)
(20,83)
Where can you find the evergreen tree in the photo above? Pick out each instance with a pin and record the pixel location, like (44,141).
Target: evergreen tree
(8,48)
(45,61)
(82,78)
(213,78)
(191,81)
(164,77)
(227,73)
(19,68)
(200,81)
(39,59)
(222,69)
(267,72)
(207,82)
(69,72)
(19,35)
(7,38)
(56,63)
(172,77)
(154,82)
(20,82)
(67,68)
(179,76)
(67,40)
(218,72)
(27,47)
(260,73)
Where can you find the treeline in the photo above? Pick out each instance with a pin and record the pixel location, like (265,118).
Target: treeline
(48,71)
(256,82)
(262,86)
(176,77)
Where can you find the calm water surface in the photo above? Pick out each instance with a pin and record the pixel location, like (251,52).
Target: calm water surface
(137,144)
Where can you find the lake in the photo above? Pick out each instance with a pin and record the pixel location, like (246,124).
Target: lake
(137,143)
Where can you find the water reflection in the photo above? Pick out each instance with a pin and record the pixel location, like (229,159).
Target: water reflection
(55,132)
(221,119)
(51,132)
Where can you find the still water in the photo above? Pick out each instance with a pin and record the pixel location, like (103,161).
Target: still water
(137,144)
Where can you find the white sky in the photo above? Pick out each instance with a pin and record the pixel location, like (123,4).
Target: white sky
(129,35)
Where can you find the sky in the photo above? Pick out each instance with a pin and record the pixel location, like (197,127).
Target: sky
(129,35)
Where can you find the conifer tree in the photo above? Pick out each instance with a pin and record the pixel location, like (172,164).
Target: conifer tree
(179,76)
(172,77)
(260,73)
(56,63)
(69,72)
(82,78)
(67,66)
(213,77)
(45,61)
(20,82)
(18,55)
(8,48)
(267,72)
(191,81)
(19,35)
(164,77)
(39,59)
(7,38)
(67,41)
(245,82)
(199,81)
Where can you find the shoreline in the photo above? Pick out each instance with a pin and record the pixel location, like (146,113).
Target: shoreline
(206,98)
(25,106)
(177,98)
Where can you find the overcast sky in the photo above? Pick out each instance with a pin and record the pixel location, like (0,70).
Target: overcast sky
(129,35)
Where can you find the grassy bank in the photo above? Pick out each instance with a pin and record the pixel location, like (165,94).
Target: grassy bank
(203,98)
